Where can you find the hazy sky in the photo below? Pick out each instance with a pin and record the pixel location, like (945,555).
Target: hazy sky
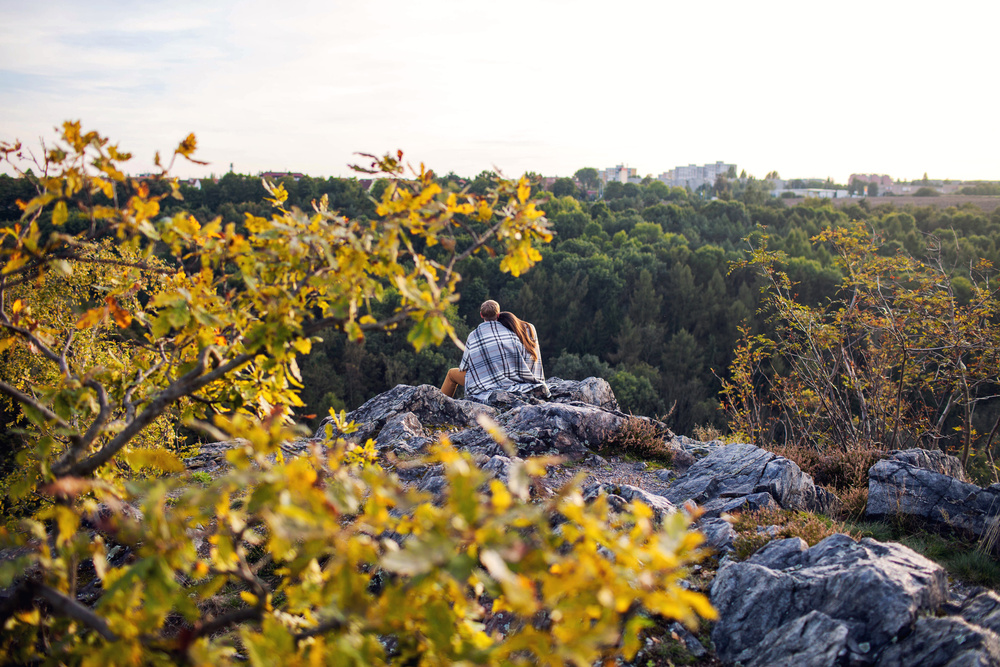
(811,89)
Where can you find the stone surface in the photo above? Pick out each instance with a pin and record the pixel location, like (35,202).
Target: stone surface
(740,470)
(427,403)
(899,488)
(719,534)
(403,434)
(944,642)
(561,428)
(592,391)
(813,640)
(983,608)
(932,459)
(628,493)
(877,590)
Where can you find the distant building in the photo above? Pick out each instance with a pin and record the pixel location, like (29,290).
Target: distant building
(694,176)
(276,175)
(190,182)
(619,173)
(882,181)
(821,193)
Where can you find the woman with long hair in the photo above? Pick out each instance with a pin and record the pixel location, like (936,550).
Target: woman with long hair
(525,332)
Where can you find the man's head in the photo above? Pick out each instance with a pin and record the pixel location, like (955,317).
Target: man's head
(490,310)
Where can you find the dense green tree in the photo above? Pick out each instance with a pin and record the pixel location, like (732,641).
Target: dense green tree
(564,187)
(588,177)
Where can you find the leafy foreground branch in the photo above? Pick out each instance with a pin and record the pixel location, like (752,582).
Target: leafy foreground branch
(118,326)
(328,557)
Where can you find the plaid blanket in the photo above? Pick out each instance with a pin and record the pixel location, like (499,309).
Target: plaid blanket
(495,359)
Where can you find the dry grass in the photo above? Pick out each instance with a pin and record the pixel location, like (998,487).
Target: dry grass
(707,433)
(810,527)
(853,502)
(640,438)
(835,469)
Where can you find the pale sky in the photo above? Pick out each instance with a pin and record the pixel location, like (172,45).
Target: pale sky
(809,89)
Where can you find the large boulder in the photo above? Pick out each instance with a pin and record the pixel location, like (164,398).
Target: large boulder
(592,391)
(427,403)
(619,495)
(899,487)
(742,476)
(561,428)
(875,590)
(813,640)
(932,459)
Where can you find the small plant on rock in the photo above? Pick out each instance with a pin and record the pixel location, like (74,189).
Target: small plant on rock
(639,437)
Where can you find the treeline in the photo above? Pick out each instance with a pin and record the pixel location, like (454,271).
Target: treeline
(637,288)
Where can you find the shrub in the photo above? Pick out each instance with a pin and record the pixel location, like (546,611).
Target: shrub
(833,468)
(321,558)
(896,360)
(639,437)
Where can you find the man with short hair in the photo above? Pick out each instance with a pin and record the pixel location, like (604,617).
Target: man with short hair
(494,359)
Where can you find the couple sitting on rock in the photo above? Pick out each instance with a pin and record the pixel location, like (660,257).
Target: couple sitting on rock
(500,354)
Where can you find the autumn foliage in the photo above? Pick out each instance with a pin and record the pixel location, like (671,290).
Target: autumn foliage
(905,355)
(119,326)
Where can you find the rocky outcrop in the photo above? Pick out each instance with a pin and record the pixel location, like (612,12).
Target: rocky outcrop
(427,403)
(931,459)
(745,477)
(983,609)
(909,484)
(561,428)
(592,391)
(851,598)
(837,603)
(619,495)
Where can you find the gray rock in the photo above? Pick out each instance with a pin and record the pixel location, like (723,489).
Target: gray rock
(691,642)
(403,434)
(740,470)
(628,493)
(499,466)
(427,403)
(983,608)
(435,484)
(562,428)
(944,642)
(719,534)
(780,554)
(592,391)
(932,459)
(813,640)
(899,488)
(211,456)
(875,589)
(696,448)
(750,503)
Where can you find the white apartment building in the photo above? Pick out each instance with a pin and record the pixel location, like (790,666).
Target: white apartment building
(619,173)
(694,176)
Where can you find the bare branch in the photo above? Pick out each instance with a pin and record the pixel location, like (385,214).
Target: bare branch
(226,620)
(73,609)
(186,384)
(49,354)
(25,399)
